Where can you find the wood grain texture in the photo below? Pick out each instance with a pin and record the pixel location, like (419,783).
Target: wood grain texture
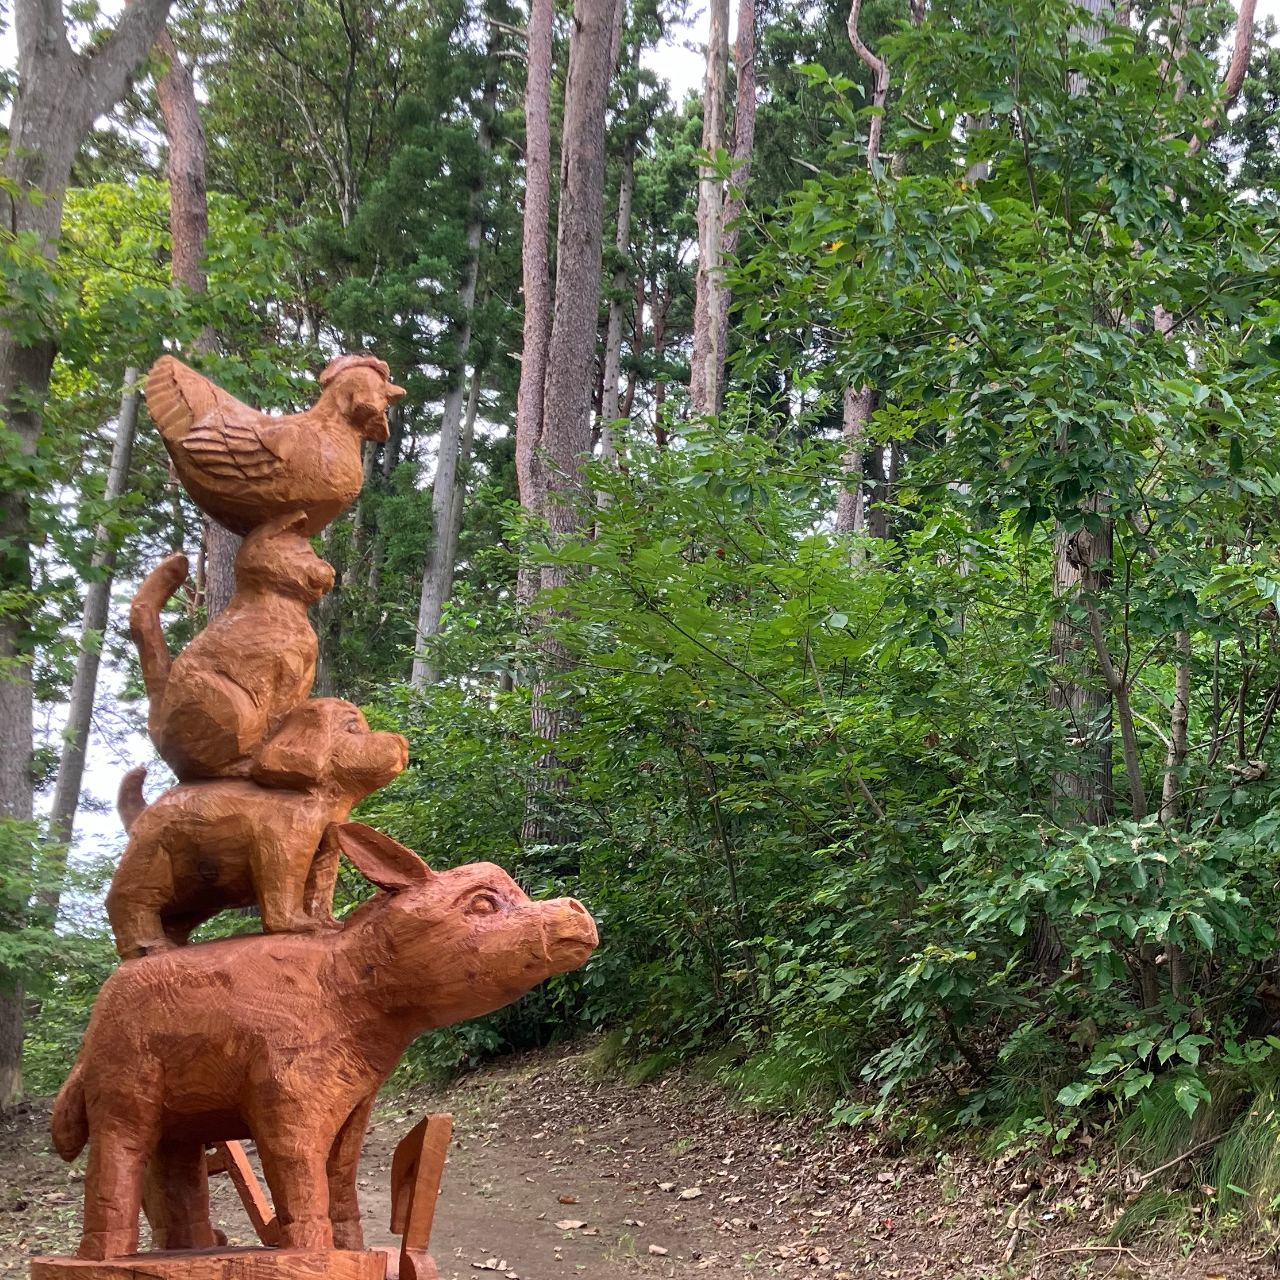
(243,467)
(211,707)
(206,846)
(221,1264)
(287,1038)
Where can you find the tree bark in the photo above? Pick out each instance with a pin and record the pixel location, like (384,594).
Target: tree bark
(744,145)
(60,94)
(851,516)
(188,231)
(439,566)
(1082,794)
(708,300)
(609,401)
(566,433)
(93,626)
(530,473)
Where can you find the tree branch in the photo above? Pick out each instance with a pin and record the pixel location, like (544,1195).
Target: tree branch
(1124,713)
(879,69)
(112,64)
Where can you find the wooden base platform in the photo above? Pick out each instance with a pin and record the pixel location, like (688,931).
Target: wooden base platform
(221,1264)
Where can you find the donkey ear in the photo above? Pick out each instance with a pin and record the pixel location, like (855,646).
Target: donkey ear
(381,859)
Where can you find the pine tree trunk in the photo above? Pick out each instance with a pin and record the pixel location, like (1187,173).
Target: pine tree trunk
(460,486)
(59,95)
(744,145)
(708,300)
(188,230)
(566,434)
(609,409)
(93,626)
(530,473)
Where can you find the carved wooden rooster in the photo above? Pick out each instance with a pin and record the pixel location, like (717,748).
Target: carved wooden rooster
(244,467)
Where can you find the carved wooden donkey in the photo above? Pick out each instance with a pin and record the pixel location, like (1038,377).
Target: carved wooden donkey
(287,1039)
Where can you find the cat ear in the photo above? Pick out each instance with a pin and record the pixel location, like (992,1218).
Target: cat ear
(381,859)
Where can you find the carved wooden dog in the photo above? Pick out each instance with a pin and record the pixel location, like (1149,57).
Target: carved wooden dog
(288,1039)
(230,687)
(227,842)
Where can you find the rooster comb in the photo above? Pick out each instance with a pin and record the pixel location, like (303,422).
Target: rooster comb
(343,363)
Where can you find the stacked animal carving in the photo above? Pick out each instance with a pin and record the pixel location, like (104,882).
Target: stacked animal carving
(286,1036)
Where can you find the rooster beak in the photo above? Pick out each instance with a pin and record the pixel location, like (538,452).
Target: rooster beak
(394,393)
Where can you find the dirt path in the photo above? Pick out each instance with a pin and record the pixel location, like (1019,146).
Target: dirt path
(667,1180)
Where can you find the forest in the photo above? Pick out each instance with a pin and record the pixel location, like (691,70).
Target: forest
(831,528)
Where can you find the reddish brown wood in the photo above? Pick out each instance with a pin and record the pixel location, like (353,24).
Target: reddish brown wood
(243,467)
(288,1038)
(416,1169)
(211,707)
(221,1264)
(203,847)
(229,1158)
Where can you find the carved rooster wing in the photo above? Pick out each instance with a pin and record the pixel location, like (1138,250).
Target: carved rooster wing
(244,467)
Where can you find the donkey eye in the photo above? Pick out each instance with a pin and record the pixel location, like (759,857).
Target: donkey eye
(483,905)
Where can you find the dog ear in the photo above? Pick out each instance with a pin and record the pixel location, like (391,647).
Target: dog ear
(300,752)
(381,859)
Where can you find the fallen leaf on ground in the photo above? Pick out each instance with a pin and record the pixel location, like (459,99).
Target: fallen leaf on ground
(489,1264)
(666,1186)
(657,1250)
(569,1224)
(690,1193)
(568,1199)
(632,1222)
(592,1231)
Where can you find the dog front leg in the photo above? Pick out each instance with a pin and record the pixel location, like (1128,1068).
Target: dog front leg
(317,897)
(279,882)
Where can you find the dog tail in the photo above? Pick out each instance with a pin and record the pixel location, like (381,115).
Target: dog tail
(144,622)
(130,801)
(70,1123)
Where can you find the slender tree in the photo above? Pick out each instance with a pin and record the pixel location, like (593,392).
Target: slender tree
(93,625)
(530,472)
(188,231)
(438,572)
(60,94)
(707,356)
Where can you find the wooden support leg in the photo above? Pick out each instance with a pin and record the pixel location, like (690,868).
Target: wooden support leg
(230,1158)
(416,1169)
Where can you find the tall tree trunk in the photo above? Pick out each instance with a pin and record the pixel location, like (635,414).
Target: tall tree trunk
(609,410)
(1082,794)
(566,433)
(60,94)
(460,486)
(93,626)
(435,586)
(662,299)
(188,231)
(744,145)
(708,300)
(530,473)
(851,514)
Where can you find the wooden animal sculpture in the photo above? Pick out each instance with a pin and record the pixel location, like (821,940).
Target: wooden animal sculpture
(287,1039)
(244,467)
(213,704)
(204,846)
